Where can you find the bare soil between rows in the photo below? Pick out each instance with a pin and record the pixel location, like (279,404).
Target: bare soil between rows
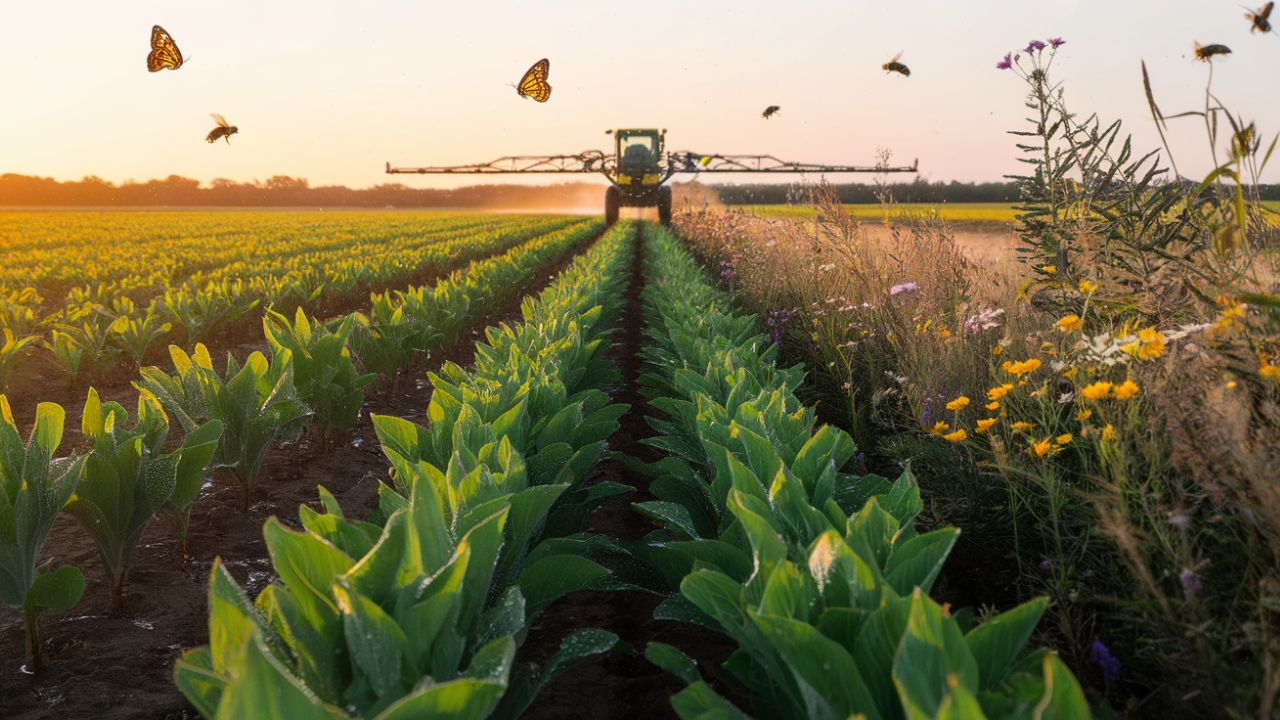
(107,668)
(622,683)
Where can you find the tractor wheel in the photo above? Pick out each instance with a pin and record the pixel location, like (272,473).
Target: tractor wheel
(612,199)
(664,204)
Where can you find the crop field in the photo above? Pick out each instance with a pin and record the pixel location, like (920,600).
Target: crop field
(449,494)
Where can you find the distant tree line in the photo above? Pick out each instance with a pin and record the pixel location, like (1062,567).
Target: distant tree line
(280,191)
(285,191)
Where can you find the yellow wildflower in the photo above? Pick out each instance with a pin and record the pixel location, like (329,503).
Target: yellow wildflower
(997,349)
(993,405)
(1048,270)
(1126,390)
(1021,367)
(945,333)
(1097,391)
(1069,323)
(1070,373)
(1040,448)
(959,403)
(1231,384)
(958,436)
(1268,371)
(999,391)
(1084,414)
(1229,319)
(1108,433)
(940,427)
(1063,439)
(1088,287)
(984,425)
(1021,426)
(1150,344)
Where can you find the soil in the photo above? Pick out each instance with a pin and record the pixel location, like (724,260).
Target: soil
(619,684)
(105,668)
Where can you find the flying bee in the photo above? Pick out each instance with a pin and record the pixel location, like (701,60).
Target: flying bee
(1206,52)
(224,130)
(895,66)
(1260,18)
(770,111)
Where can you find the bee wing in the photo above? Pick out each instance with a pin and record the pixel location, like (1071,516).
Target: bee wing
(220,120)
(1266,10)
(897,57)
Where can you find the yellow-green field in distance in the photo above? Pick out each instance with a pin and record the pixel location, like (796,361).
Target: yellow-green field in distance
(984,213)
(952,212)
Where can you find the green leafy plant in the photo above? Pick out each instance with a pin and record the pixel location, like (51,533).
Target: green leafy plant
(34,486)
(83,345)
(323,372)
(128,478)
(255,403)
(136,332)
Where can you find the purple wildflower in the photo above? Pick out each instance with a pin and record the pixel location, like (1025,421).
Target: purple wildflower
(1101,656)
(906,287)
(1006,63)
(1045,563)
(1034,46)
(1056,43)
(1190,582)
(775,321)
(1180,520)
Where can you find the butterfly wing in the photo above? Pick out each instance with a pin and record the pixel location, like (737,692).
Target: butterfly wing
(534,83)
(164,51)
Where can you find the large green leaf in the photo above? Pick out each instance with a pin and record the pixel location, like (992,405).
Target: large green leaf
(547,578)
(996,643)
(917,562)
(932,656)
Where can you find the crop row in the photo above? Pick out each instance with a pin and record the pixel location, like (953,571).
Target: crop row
(818,575)
(416,611)
(123,297)
(230,420)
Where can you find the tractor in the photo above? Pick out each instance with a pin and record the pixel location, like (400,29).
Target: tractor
(638,169)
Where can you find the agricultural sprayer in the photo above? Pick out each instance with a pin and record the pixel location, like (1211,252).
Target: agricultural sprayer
(638,169)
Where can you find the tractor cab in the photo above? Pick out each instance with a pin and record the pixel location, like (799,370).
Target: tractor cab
(639,157)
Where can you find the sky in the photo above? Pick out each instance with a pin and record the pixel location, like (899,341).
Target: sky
(331,91)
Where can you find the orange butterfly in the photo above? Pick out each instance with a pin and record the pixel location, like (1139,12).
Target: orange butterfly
(164,51)
(534,83)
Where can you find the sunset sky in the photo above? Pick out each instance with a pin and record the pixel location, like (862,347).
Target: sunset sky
(330,91)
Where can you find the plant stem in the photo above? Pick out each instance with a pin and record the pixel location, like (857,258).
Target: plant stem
(117,595)
(33,640)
